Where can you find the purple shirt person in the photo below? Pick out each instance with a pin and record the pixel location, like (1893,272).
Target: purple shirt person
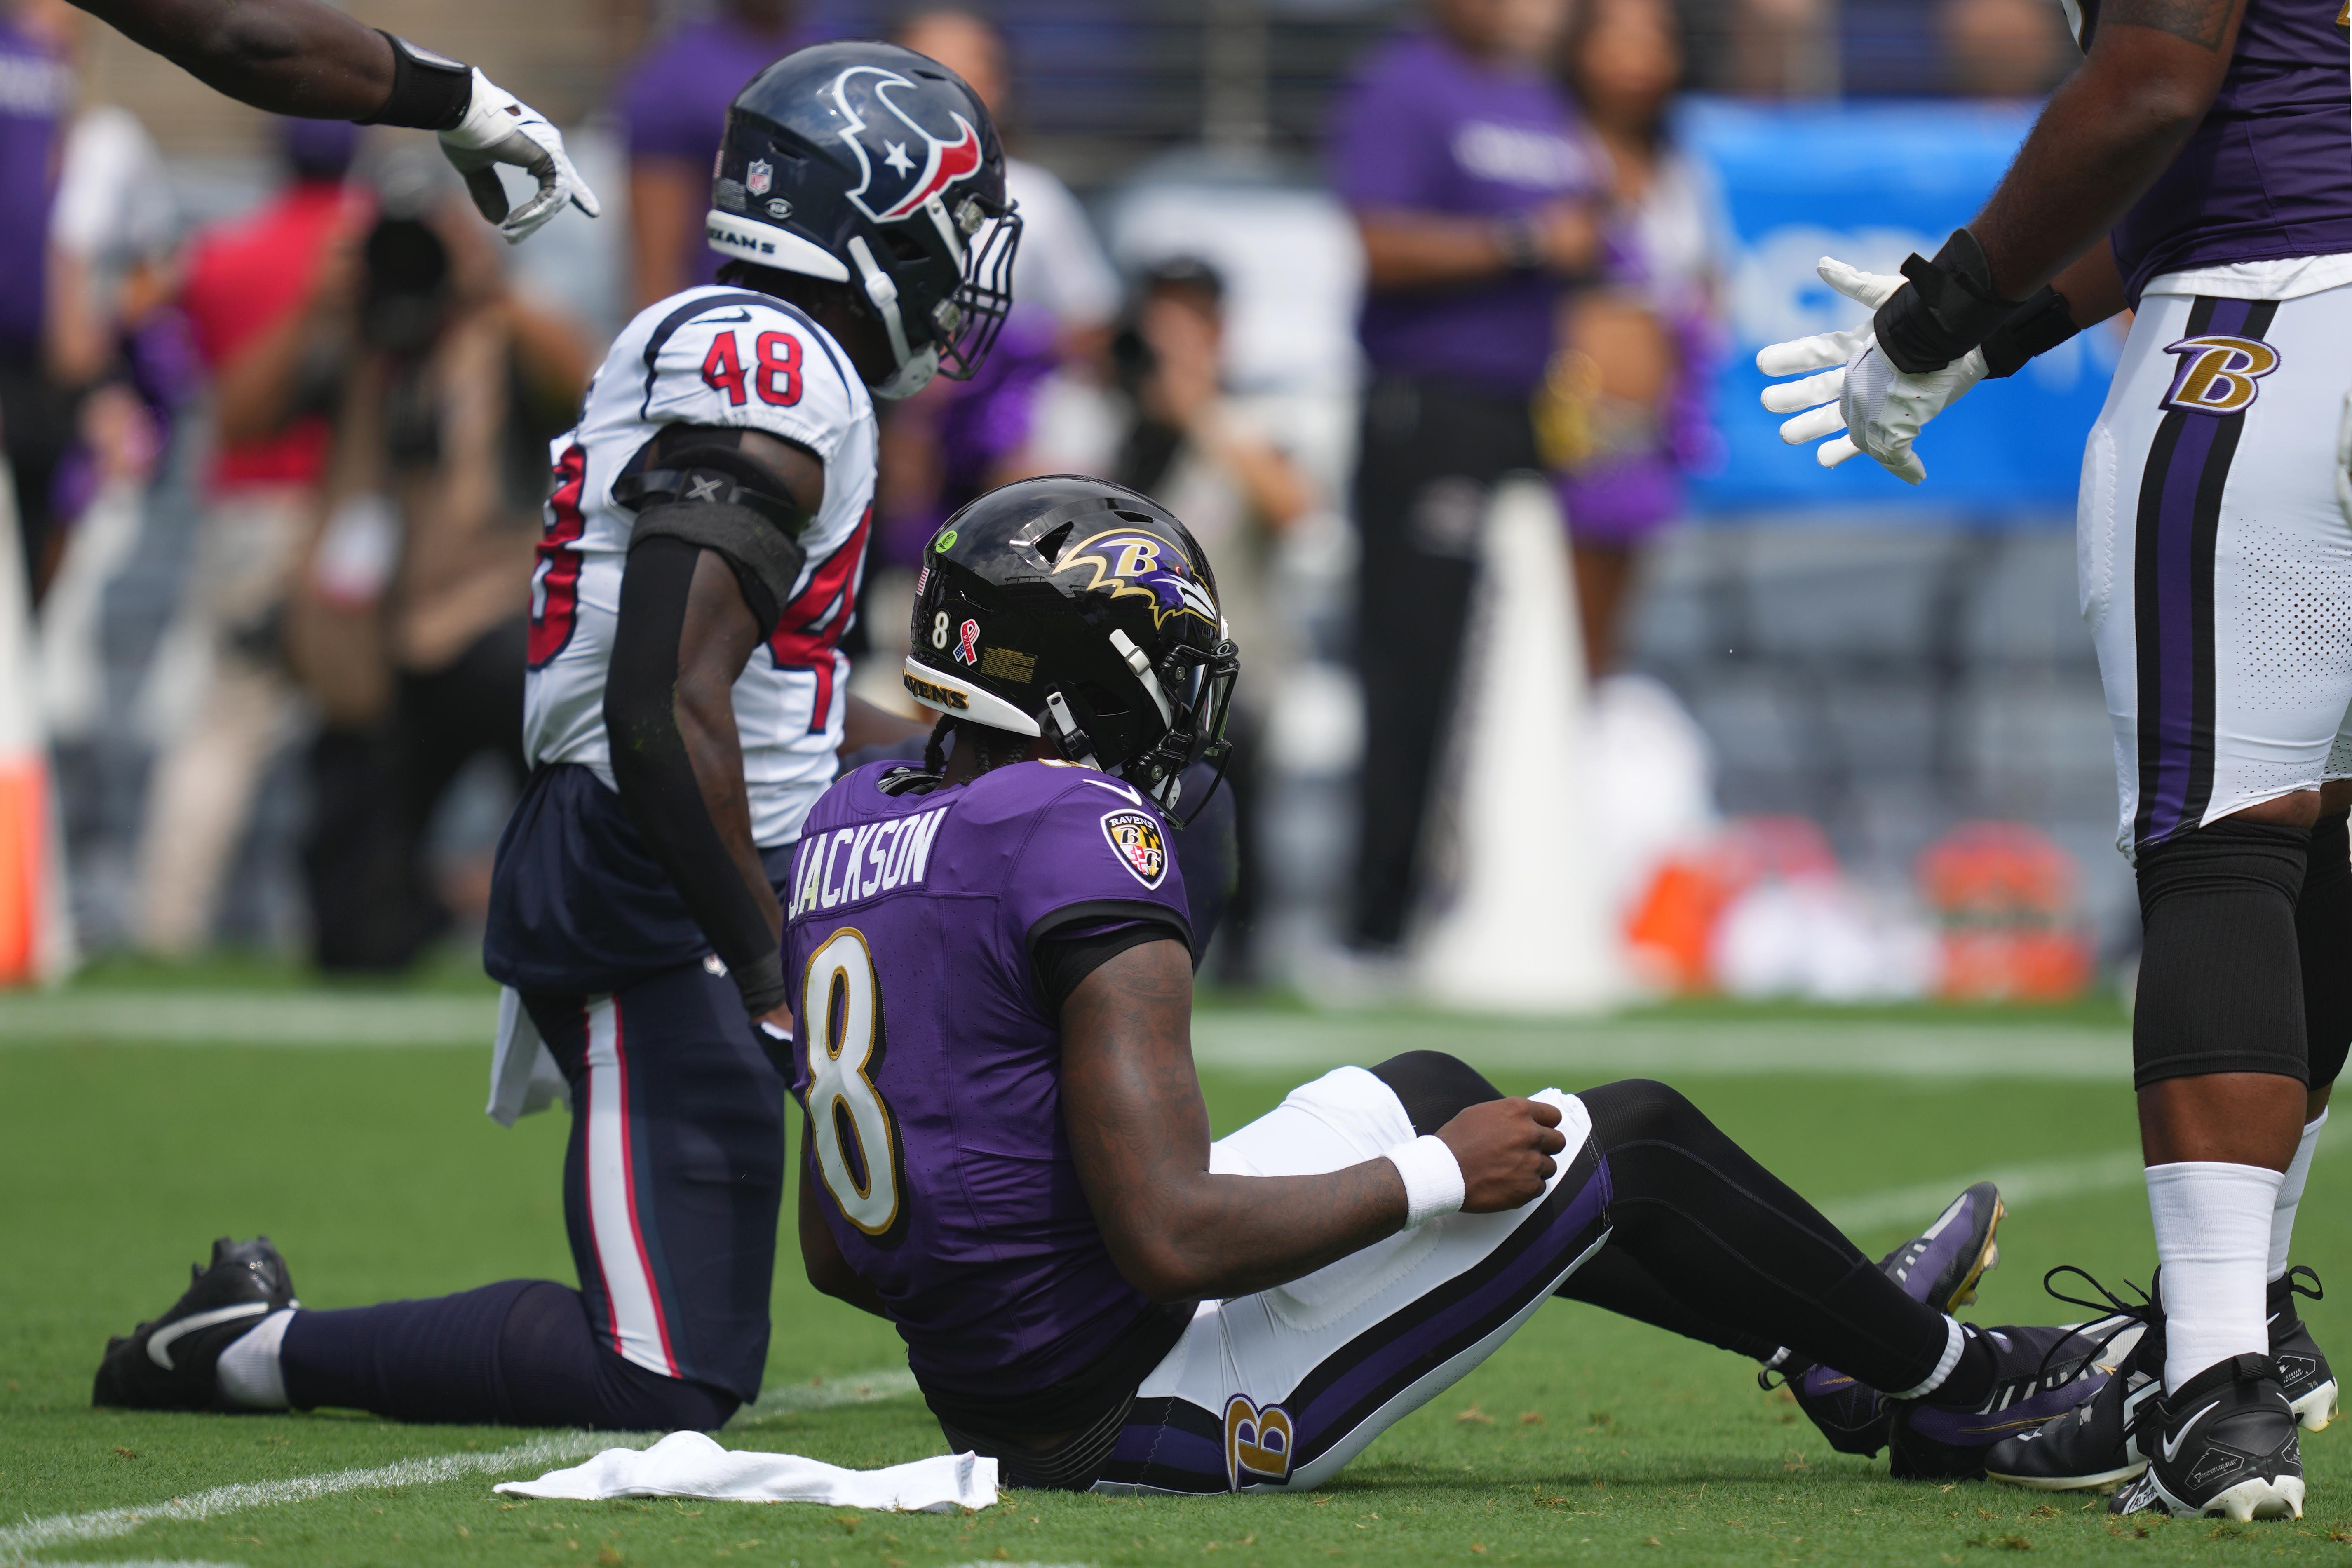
(674,104)
(36,90)
(936,1101)
(1456,157)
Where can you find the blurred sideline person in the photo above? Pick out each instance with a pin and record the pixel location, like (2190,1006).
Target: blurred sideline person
(684,708)
(1061,268)
(1096,1295)
(2191,169)
(35,411)
(308,61)
(1190,448)
(1624,410)
(407,625)
(674,105)
(218,684)
(1454,152)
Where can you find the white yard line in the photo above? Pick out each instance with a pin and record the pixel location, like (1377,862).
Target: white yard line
(1236,1041)
(2019,1186)
(19,1541)
(824,1393)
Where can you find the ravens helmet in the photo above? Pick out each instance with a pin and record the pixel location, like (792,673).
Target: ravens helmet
(1078,610)
(871,165)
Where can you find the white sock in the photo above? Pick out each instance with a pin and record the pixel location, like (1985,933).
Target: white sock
(2213,1237)
(2298,1170)
(250,1377)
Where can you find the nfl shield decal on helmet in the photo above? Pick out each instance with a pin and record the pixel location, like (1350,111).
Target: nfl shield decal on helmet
(759,177)
(1135,837)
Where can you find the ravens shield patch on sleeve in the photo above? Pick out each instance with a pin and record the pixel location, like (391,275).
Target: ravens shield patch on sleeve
(1136,838)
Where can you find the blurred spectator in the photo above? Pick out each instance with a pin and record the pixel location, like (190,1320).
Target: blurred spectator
(1783,48)
(1454,151)
(218,688)
(113,238)
(1188,447)
(1624,412)
(674,103)
(37,90)
(407,625)
(2001,49)
(1060,264)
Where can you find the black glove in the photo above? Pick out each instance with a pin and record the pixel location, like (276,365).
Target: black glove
(1950,308)
(2038,326)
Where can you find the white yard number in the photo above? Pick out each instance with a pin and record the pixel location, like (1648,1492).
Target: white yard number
(839,1007)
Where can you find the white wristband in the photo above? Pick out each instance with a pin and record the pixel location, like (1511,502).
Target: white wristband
(1432,1179)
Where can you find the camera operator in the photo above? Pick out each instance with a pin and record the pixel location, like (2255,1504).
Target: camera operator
(408,625)
(1189,447)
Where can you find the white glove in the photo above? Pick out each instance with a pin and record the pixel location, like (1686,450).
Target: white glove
(499,127)
(1881,408)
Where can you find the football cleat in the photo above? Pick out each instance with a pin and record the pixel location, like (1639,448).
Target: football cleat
(2302,1371)
(2038,1373)
(2089,1448)
(1940,1267)
(169,1363)
(2225,1443)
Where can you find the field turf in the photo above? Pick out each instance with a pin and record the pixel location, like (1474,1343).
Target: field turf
(138,1120)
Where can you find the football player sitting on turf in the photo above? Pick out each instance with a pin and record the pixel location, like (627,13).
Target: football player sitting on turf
(685,702)
(1007,1155)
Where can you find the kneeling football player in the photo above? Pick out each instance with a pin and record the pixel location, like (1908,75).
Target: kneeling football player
(1007,1155)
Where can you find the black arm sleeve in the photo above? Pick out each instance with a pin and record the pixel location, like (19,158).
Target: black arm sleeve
(656,777)
(1063,961)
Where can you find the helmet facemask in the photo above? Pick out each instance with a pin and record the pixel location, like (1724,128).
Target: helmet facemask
(1198,684)
(954,335)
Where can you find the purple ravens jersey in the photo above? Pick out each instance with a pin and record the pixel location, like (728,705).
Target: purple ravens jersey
(2269,173)
(932,1071)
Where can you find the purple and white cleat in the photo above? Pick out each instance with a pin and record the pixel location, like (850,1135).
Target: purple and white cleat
(1940,1267)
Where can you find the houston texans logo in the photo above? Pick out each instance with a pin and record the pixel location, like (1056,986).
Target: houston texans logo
(915,179)
(1127,561)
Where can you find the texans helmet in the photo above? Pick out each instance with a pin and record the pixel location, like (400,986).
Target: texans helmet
(1079,610)
(871,165)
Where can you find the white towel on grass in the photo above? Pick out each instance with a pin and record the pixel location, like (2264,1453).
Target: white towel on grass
(687,1463)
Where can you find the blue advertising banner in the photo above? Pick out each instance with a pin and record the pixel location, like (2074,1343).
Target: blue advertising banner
(1869,184)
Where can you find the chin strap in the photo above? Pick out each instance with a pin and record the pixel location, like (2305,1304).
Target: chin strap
(1075,744)
(915,369)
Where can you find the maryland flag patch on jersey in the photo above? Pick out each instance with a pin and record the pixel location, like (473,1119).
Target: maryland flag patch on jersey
(1135,837)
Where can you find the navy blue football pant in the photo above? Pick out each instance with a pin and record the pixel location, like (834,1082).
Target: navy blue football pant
(672,1185)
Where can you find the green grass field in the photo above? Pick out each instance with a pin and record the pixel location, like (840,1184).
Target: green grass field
(138,1120)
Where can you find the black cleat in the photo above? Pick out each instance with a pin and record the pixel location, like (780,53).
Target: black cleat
(2089,1448)
(1939,1267)
(2039,1373)
(2302,1371)
(168,1364)
(2225,1443)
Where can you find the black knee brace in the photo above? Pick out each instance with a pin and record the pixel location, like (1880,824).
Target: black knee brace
(2220,986)
(1435,1088)
(2323,931)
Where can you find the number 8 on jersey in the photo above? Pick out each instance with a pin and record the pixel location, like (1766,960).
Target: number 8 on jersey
(852,1133)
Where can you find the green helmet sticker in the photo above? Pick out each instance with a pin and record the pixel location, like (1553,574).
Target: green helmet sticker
(945,543)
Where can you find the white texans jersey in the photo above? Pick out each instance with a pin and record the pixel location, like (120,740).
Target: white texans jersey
(712,356)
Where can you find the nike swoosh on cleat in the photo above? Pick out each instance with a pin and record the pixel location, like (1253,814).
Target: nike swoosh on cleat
(2172,1444)
(159,1344)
